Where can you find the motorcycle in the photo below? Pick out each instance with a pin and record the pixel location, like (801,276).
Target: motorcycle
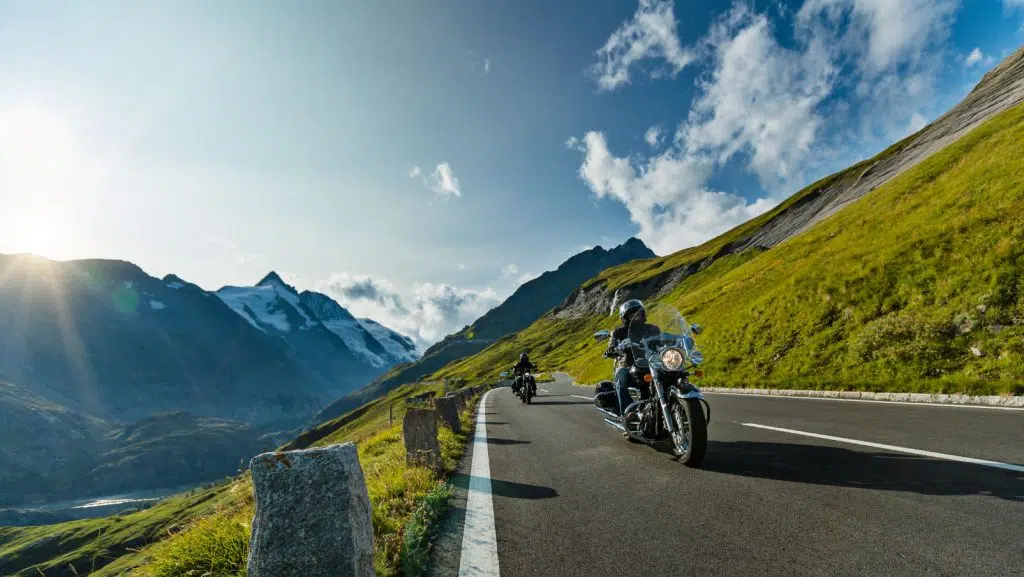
(522,386)
(667,407)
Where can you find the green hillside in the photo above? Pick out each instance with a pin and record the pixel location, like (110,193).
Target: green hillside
(917,286)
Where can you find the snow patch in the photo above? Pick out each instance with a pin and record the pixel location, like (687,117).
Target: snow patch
(157,305)
(353,334)
(175,285)
(258,305)
(400,347)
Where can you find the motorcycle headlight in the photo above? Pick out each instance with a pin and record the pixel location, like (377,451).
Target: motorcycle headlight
(696,357)
(672,359)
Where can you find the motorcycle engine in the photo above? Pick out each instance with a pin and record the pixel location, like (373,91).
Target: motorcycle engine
(639,419)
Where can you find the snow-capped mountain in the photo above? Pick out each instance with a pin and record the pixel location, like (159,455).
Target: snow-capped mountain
(271,306)
(401,347)
(339,321)
(275,307)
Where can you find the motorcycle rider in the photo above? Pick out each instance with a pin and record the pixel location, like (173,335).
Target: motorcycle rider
(520,368)
(630,311)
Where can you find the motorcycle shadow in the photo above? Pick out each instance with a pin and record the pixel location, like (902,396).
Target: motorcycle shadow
(534,402)
(837,466)
(501,488)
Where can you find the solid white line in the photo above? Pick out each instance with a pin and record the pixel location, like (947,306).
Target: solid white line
(582,397)
(479,542)
(876,401)
(543,390)
(996,464)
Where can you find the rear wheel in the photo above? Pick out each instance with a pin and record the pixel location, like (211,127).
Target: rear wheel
(690,441)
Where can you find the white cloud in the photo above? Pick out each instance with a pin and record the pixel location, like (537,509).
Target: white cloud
(526,277)
(487,65)
(974,57)
(653,136)
(649,35)
(917,122)
(442,181)
(462,267)
(977,57)
(428,313)
(666,196)
(761,98)
(882,33)
(509,271)
(854,77)
(1012,4)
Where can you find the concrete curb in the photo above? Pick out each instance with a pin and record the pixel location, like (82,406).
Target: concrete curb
(1008,401)
(923,398)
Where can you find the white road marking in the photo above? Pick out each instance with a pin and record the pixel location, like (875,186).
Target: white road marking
(479,542)
(934,455)
(543,390)
(582,397)
(876,401)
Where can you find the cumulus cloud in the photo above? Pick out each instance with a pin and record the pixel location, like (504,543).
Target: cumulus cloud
(653,136)
(866,65)
(427,313)
(649,35)
(883,34)
(977,57)
(442,181)
(917,122)
(509,271)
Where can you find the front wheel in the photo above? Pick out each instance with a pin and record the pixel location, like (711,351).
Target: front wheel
(690,441)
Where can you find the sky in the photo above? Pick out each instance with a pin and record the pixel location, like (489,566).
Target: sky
(419,161)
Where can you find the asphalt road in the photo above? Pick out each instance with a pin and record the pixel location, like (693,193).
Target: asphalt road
(571,497)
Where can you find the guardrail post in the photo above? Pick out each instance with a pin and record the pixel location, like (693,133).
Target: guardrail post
(313,515)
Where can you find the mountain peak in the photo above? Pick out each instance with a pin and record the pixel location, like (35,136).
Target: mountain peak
(274,280)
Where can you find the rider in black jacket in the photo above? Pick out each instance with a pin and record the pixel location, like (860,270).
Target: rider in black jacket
(522,367)
(630,311)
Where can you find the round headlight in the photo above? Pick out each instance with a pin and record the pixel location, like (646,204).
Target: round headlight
(672,358)
(696,357)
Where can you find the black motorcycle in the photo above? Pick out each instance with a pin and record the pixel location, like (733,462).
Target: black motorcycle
(523,386)
(667,408)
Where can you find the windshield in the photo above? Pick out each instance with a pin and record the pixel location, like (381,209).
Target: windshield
(662,326)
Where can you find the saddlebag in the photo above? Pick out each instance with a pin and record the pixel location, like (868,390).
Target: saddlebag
(604,396)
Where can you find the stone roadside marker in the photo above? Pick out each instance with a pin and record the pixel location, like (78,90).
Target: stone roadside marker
(313,516)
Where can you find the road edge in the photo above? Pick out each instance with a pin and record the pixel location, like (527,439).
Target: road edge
(992,401)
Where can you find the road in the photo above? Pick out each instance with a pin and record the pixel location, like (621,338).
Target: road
(571,497)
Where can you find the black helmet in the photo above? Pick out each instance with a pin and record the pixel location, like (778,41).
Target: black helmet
(523,357)
(629,310)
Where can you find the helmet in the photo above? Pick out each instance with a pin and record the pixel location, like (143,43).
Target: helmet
(630,309)
(523,357)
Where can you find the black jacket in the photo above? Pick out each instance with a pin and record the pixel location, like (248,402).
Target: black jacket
(520,367)
(621,333)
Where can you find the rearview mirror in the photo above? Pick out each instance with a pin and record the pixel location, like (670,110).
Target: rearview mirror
(696,329)
(602,335)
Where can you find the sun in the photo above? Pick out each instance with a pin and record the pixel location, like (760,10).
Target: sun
(38,173)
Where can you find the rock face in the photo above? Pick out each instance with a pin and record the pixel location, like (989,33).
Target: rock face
(449,413)
(313,516)
(419,430)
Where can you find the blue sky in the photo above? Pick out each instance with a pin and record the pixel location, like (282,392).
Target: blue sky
(440,153)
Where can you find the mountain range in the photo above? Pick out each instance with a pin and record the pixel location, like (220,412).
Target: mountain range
(114,367)
(90,347)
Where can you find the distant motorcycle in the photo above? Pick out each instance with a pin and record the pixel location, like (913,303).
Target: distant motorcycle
(523,386)
(666,406)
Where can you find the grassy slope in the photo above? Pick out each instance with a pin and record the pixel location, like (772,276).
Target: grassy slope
(209,533)
(94,542)
(879,296)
